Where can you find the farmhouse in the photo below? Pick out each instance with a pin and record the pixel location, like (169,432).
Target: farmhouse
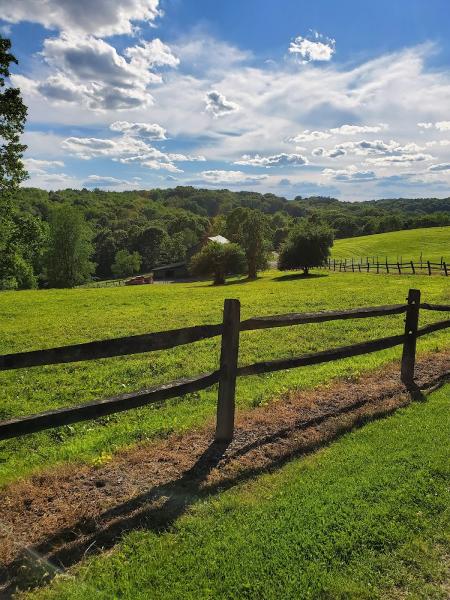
(180,270)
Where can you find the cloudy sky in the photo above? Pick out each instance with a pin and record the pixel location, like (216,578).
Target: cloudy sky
(348,98)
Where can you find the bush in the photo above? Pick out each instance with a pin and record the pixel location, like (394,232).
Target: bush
(218,260)
(307,246)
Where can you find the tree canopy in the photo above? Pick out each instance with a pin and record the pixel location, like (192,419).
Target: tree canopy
(218,260)
(308,245)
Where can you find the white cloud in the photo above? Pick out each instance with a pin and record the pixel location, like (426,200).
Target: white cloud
(353,129)
(106,181)
(424,125)
(443,125)
(102,17)
(230,177)
(350,174)
(277,160)
(152,131)
(87,148)
(91,72)
(218,105)
(36,166)
(310,136)
(402,159)
(319,48)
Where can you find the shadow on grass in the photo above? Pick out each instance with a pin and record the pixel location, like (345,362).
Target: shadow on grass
(294,276)
(158,508)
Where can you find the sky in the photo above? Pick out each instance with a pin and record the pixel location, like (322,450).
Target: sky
(292,97)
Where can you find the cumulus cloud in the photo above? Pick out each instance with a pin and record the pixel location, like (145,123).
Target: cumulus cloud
(102,17)
(424,125)
(310,136)
(91,72)
(218,105)
(353,129)
(39,167)
(151,131)
(230,177)
(351,174)
(402,159)
(443,125)
(277,160)
(319,48)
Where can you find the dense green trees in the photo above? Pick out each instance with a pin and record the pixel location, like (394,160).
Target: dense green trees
(163,225)
(69,250)
(218,260)
(250,229)
(308,245)
(126,263)
(18,234)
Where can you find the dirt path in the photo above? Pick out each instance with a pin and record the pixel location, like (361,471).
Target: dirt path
(52,521)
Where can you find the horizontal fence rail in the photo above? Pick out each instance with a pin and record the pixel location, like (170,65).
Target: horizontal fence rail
(228,371)
(399,267)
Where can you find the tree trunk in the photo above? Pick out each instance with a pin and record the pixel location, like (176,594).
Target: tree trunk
(252,270)
(219,278)
(306,271)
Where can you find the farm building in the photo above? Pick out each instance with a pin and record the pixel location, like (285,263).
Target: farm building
(180,270)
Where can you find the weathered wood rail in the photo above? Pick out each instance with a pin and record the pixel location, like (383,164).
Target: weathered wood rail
(384,266)
(228,370)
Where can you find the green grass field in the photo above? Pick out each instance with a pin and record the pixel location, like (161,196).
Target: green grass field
(432,242)
(43,319)
(365,518)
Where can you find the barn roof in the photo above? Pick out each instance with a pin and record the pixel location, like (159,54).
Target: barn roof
(219,239)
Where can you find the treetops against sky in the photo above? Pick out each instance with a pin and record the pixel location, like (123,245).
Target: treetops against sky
(349,98)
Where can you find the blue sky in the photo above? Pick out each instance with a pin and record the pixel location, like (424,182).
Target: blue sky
(348,98)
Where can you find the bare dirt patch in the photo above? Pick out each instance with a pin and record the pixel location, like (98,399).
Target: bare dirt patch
(53,520)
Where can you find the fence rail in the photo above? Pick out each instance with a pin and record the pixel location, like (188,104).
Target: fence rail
(378,266)
(228,370)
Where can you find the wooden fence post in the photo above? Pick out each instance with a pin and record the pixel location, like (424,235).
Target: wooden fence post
(409,344)
(444,264)
(429,267)
(228,370)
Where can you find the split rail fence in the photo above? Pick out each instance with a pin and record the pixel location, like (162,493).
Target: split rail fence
(228,370)
(423,267)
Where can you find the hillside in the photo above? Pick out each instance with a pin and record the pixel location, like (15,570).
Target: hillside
(432,243)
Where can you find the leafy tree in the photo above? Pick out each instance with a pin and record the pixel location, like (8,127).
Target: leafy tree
(70,248)
(126,263)
(148,242)
(105,251)
(14,269)
(307,246)
(249,229)
(218,260)
(173,249)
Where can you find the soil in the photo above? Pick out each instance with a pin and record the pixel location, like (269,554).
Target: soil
(52,520)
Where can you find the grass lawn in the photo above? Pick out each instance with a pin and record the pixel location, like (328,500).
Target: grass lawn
(366,517)
(42,319)
(432,242)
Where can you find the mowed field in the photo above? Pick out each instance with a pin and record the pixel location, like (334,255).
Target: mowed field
(432,242)
(43,319)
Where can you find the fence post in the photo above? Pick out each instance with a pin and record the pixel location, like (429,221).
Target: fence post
(409,344)
(228,369)
(445,268)
(429,267)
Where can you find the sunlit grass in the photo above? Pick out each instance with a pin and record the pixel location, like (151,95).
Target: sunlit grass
(42,319)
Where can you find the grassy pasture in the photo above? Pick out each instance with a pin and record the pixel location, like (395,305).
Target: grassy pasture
(367,517)
(433,242)
(42,319)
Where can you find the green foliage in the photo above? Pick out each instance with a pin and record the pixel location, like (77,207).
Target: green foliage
(250,229)
(218,260)
(307,246)
(70,249)
(13,114)
(126,263)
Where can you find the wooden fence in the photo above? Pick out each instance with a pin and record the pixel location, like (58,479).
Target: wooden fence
(422,267)
(228,369)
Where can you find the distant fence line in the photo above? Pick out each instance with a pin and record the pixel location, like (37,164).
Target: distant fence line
(228,370)
(384,266)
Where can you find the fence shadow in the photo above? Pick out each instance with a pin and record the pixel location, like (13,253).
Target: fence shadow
(158,508)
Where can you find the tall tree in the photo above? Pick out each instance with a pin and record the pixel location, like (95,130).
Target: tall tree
(308,245)
(249,228)
(70,248)
(218,260)
(13,115)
